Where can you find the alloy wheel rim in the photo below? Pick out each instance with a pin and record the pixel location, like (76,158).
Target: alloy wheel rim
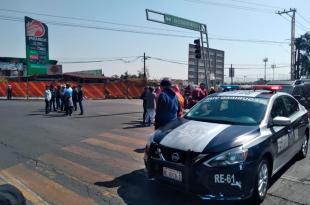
(304,148)
(263,180)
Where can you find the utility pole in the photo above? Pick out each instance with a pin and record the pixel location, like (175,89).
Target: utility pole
(292,38)
(144,70)
(231,74)
(273,66)
(265,60)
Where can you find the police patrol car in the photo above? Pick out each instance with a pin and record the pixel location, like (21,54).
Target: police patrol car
(229,145)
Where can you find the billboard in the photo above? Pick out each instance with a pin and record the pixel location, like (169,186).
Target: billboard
(11,66)
(36,47)
(54,70)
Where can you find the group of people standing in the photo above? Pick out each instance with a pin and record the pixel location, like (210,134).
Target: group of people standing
(63,98)
(166,103)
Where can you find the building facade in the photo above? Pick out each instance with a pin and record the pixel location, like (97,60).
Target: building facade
(15,67)
(196,72)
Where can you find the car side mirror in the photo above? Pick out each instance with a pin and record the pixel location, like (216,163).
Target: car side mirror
(281,121)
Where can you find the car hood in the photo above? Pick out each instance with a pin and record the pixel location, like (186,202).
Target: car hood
(204,137)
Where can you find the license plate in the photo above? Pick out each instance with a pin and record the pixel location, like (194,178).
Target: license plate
(172,174)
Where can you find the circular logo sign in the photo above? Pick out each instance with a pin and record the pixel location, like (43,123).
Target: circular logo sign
(175,157)
(35,28)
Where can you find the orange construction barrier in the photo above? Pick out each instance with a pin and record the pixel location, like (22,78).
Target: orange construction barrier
(91,90)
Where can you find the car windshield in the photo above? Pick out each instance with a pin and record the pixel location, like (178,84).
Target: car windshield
(229,110)
(286,89)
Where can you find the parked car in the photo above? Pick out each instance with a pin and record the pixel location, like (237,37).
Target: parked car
(229,145)
(299,89)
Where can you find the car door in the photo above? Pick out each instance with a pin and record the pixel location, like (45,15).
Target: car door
(279,136)
(298,126)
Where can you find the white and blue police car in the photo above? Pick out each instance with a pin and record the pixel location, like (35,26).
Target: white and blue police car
(229,145)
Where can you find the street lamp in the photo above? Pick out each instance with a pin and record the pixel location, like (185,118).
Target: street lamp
(265,60)
(273,67)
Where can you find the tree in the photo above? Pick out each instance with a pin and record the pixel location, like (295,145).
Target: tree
(302,55)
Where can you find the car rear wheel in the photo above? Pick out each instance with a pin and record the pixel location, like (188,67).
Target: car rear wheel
(261,182)
(304,147)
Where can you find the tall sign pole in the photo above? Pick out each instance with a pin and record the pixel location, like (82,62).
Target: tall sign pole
(293,11)
(37,56)
(171,20)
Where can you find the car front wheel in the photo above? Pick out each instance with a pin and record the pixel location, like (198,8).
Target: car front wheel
(261,182)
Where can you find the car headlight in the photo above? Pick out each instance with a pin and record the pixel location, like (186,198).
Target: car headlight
(230,157)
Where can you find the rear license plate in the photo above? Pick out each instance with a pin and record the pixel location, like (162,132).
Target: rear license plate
(172,174)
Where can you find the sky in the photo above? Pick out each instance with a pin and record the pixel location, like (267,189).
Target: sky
(227,19)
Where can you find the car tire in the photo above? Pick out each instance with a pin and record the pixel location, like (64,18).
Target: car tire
(262,181)
(304,147)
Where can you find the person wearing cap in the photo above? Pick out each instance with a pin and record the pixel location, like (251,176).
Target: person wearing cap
(167,105)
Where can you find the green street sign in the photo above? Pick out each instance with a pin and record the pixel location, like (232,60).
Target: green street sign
(181,22)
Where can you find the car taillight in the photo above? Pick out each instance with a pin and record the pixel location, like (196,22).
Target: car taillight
(268,87)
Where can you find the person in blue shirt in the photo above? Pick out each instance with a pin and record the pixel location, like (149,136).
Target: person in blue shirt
(68,100)
(167,105)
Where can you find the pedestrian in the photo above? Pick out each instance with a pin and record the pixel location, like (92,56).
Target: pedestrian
(150,106)
(157,93)
(176,89)
(143,97)
(58,97)
(53,99)
(167,105)
(62,98)
(203,91)
(74,97)
(212,90)
(9,92)
(48,97)
(68,100)
(80,97)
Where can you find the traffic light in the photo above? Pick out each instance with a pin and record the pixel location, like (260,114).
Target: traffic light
(197,48)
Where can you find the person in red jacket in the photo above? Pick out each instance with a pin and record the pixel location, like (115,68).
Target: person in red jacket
(203,91)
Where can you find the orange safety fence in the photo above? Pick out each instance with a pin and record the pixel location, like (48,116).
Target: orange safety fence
(91,90)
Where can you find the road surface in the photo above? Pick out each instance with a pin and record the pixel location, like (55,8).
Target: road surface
(98,158)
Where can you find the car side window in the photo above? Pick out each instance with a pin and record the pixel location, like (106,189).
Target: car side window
(291,105)
(278,109)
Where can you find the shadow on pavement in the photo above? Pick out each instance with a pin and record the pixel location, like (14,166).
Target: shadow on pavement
(140,150)
(284,169)
(134,124)
(135,189)
(106,115)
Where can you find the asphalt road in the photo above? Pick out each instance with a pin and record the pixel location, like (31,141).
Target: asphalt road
(98,158)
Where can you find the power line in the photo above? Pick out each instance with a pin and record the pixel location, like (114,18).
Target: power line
(245,8)
(255,4)
(92,20)
(67,24)
(301,16)
(100,61)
